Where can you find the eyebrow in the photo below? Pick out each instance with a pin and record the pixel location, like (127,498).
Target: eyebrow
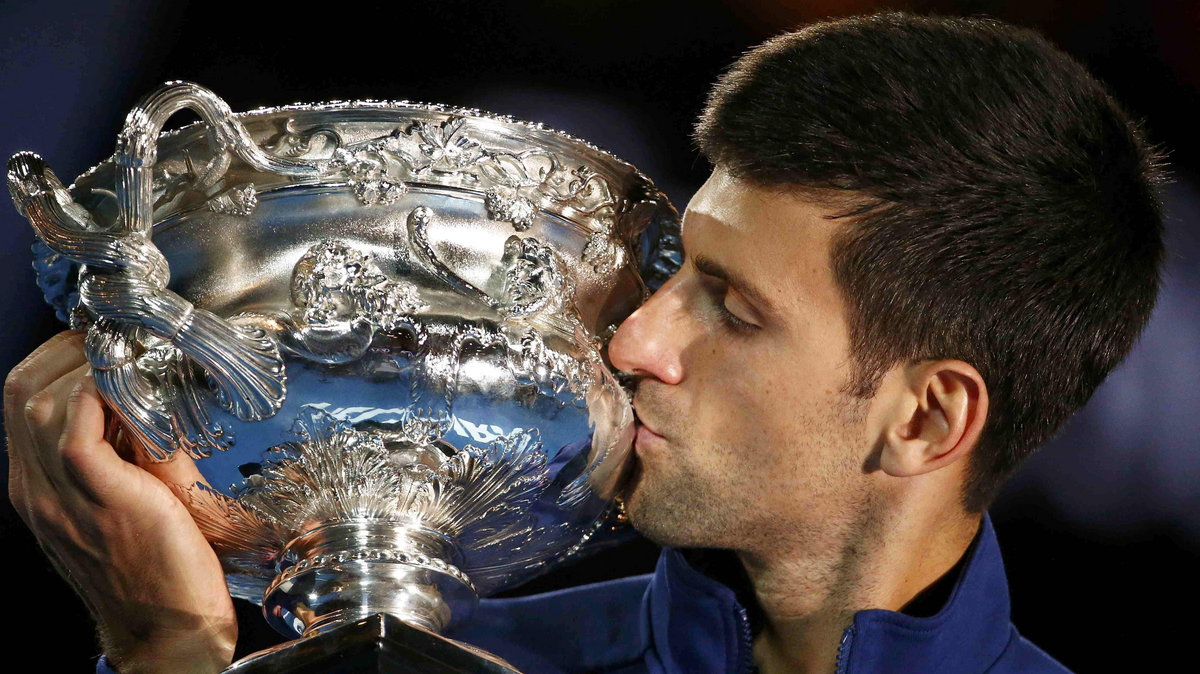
(711,267)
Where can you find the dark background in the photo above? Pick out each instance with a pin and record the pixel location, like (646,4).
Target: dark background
(1100,530)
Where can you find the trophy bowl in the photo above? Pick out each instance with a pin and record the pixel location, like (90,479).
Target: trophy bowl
(377,331)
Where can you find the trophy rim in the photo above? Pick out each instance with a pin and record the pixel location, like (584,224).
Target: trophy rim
(653,192)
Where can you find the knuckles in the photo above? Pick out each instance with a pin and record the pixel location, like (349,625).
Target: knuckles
(21,382)
(39,409)
(17,387)
(45,514)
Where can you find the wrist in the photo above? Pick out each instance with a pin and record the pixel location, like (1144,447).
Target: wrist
(198,651)
(170,658)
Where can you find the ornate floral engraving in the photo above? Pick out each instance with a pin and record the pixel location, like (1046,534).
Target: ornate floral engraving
(177,179)
(297,142)
(517,210)
(334,473)
(334,282)
(585,191)
(550,370)
(444,147)
(341,299)
(192,426)
(604,253)
(112,351)
(534,281)
(239,200)
(367,172)
(515,184)
(163,398)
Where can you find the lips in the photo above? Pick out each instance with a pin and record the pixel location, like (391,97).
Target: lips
(645,432)
(637,417)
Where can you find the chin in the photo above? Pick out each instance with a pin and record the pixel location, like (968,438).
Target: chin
(632,491)
(656,514)
(636,506)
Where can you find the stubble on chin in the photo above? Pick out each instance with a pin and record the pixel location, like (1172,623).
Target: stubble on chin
(676,503)
(672,506)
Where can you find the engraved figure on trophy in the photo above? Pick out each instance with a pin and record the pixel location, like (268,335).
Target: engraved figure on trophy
(378,331)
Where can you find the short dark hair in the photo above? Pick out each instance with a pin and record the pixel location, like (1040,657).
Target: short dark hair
(1007,210)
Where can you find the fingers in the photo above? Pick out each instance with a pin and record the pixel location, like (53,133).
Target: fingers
(115,531)
(63,445)
(46,418)
(91,461)
(87,459)
(50,361)
(53,359)
(50,493)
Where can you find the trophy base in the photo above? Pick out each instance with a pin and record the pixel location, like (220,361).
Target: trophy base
(381,643)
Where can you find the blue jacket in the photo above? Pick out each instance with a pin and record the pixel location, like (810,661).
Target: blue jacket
(681,620)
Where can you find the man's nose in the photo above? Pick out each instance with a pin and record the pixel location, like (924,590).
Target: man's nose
(649,342)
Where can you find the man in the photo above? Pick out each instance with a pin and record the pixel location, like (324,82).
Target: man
(923,245)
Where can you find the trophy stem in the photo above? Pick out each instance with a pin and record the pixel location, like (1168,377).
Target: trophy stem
(345,571)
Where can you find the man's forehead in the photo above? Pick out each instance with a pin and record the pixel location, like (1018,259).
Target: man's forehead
(722,198)
(737,204)
(775,238)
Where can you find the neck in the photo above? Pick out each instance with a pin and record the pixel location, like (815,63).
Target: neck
(810,590)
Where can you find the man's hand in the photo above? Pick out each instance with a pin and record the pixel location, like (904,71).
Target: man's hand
(114,529)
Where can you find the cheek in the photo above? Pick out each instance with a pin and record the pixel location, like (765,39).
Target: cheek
(744,406)
(768,406)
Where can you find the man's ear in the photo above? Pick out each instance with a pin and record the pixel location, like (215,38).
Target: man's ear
(938,419)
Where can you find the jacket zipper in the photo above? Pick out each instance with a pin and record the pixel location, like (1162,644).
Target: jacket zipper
(843,654)
(747,641)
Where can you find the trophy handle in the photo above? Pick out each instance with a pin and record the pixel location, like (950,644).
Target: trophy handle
(137,149)
(123,277)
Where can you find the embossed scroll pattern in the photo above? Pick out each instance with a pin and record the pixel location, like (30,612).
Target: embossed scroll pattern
(515,184)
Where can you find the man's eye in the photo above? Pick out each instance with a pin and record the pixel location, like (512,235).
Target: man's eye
(732,321)
(717,294)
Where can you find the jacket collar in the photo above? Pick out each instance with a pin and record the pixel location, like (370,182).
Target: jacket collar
(696,623)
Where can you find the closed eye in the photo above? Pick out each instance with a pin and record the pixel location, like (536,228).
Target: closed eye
(717,292)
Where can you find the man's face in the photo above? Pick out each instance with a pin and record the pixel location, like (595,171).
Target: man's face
(745,433)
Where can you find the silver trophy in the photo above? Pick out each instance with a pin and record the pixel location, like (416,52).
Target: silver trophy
(377,329)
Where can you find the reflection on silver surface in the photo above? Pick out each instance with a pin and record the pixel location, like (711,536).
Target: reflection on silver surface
(377,328)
